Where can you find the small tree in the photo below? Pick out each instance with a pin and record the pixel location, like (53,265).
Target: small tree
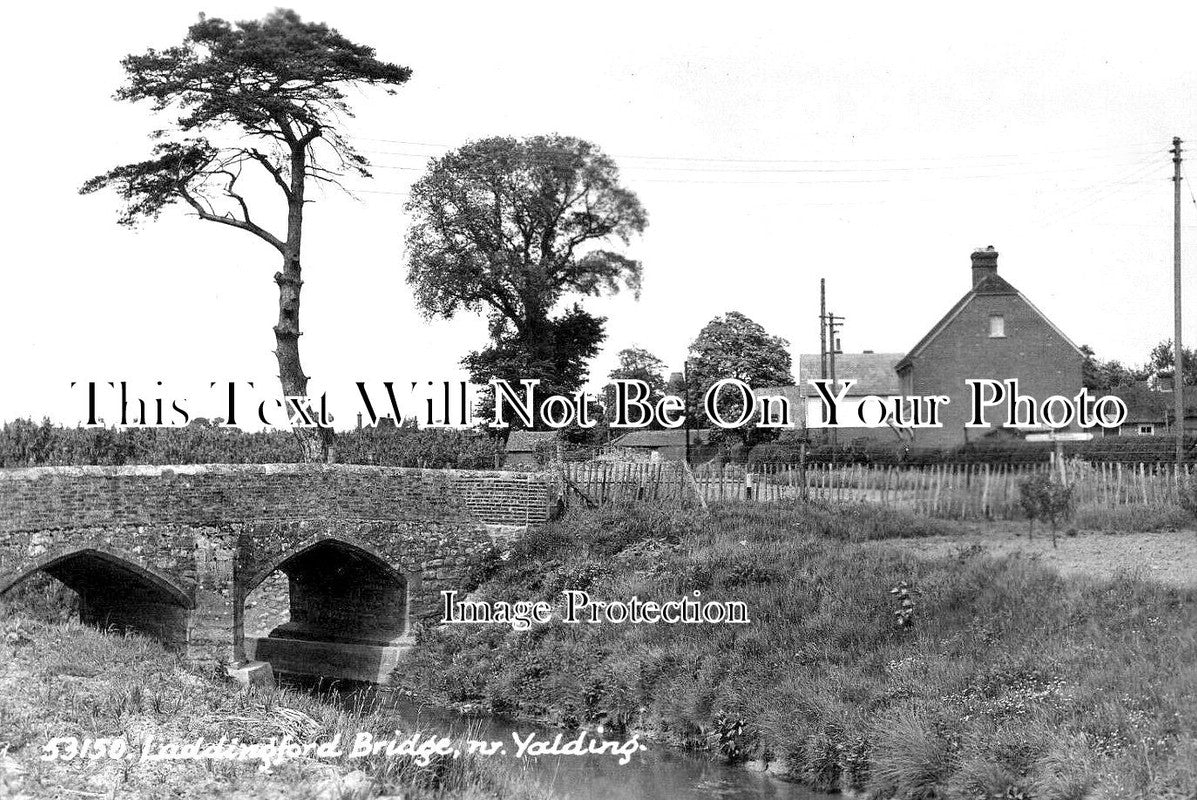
(1044,497)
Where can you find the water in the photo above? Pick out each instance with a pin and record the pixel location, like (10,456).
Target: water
(651,774)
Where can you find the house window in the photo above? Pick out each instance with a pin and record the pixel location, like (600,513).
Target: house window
(997,326)
(1147,430)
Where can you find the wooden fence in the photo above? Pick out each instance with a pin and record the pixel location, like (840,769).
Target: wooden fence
(596,483)
(958,491)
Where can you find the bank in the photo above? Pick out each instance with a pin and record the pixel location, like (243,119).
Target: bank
(997,677)
(64,686)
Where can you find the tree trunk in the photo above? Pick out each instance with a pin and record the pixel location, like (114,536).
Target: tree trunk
(313,442)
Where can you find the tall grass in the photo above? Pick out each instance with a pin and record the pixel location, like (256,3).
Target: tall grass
(66,679)
(1012,681)
(1131,518)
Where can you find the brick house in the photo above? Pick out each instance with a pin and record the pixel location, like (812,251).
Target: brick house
(993,331)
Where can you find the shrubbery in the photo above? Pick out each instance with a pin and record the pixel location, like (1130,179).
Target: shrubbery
(24,443)
(1044,497)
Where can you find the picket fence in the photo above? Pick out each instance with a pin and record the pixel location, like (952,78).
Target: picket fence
(955,491)
(596,483)
(958,491)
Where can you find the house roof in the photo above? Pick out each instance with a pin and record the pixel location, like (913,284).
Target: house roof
(526,441)
(873,373)
(992,285)
(675,437)
(792,393)
(1144,404)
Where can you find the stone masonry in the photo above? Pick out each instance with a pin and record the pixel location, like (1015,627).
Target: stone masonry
(175,551)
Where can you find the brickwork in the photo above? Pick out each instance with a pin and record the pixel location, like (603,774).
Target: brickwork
(1042,360)
(176,550)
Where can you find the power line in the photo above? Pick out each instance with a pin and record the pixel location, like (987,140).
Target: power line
(823,171)
(850,175)
(1128,149)
(1089,164)
(1136,175)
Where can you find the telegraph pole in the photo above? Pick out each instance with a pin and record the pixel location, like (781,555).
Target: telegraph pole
(833,322)
(1178,376)
(823,328)
(686,404)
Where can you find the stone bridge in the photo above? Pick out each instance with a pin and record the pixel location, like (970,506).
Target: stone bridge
(357,552)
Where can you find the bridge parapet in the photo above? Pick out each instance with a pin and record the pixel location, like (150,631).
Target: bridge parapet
(41,498)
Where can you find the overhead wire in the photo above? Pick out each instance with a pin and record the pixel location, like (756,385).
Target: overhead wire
(1129,148)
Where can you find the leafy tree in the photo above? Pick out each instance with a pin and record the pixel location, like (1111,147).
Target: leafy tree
(734,346)
(259,96)
(1105,375)
(636,363)
(509,228)
(1163,359)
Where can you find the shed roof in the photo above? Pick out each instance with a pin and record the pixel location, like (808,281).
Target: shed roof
(1144,404)
(873,373)
(523,441)
(675,437)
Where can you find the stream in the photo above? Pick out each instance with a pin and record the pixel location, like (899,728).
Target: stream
(654,772)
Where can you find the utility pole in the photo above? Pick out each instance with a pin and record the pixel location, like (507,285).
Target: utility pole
(833,322)
(823,328)
(1178,375)
(686,404)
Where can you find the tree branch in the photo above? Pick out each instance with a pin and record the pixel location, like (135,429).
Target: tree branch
(274,171)
(244,225)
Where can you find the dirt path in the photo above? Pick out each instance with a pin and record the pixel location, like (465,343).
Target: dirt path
(1169,557)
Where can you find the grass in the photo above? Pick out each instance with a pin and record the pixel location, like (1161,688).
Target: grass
(1130,518)
(63,679)
(1012,682)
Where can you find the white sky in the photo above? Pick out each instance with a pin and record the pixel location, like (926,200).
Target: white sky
(875,144)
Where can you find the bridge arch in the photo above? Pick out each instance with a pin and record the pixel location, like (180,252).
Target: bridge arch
(345,540)
(115,588)
(338,590)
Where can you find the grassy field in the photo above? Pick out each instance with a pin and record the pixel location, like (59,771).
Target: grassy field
(1011,681)
(59,679)
(1168,556)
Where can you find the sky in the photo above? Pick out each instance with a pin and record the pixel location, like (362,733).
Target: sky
(874,145)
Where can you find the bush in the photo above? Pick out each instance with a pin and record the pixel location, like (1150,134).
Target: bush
(1044,497)
(24,443)
(1188,497)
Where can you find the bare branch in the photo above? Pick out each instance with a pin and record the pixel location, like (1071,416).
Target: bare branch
(244,225)
(275,172)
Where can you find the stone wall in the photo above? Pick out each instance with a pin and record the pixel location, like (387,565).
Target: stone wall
(194,541)
(42,498)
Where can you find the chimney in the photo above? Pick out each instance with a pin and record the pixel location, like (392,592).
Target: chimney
(984,264)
